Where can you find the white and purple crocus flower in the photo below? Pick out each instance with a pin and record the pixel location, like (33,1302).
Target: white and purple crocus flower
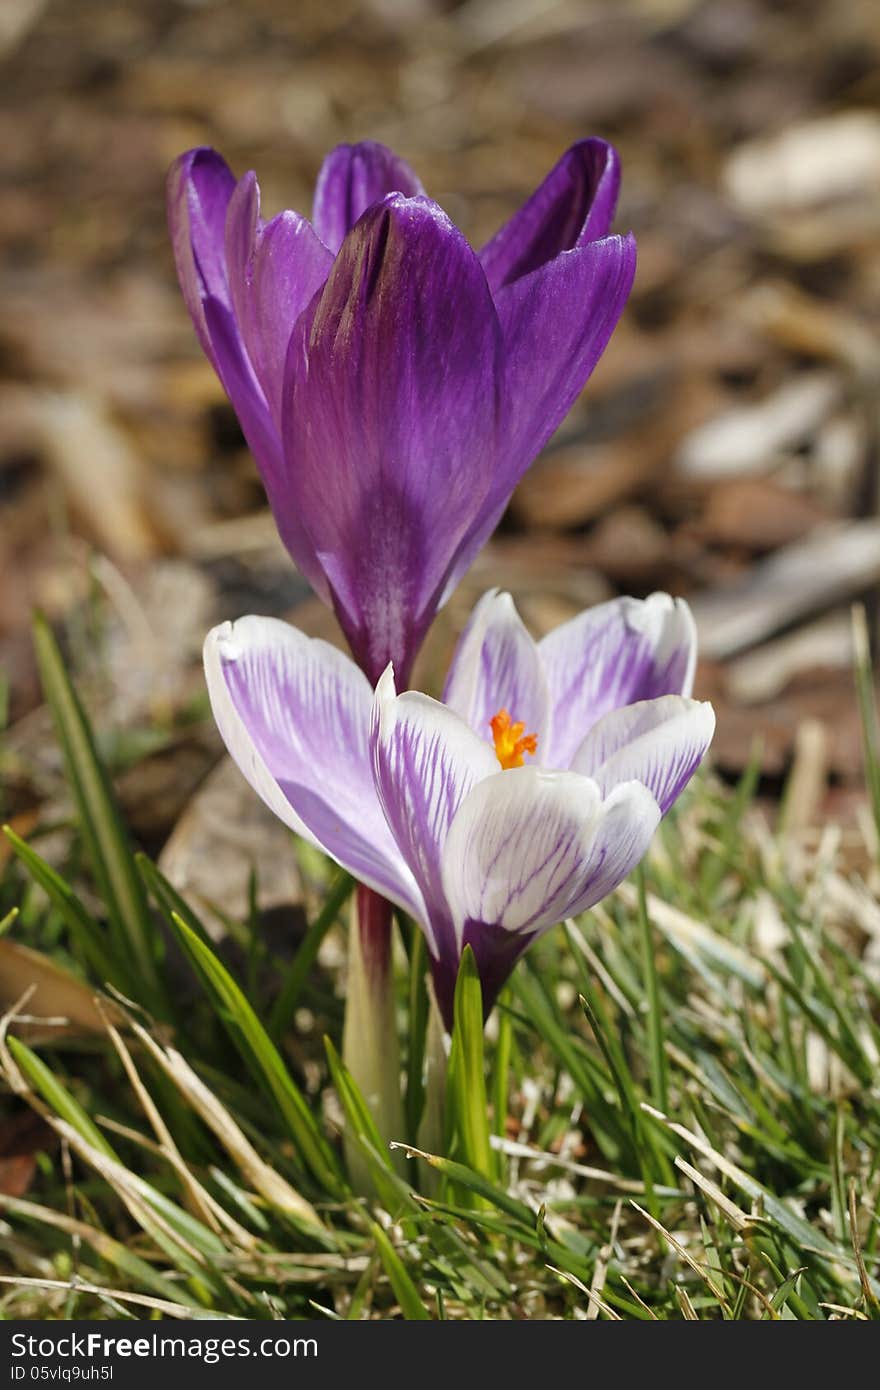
(392,383)
(524,797)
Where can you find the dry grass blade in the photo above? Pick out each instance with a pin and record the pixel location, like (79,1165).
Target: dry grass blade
(270,1184)
(594,1298)
(159,1305)
(699,1269)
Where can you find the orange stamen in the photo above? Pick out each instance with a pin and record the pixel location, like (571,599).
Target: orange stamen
(511,742)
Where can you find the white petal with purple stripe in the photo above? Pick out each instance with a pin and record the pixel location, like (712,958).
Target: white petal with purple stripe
(425,762)
(294,714)
(530,847)
(613,655)
(660,743)
(496,666)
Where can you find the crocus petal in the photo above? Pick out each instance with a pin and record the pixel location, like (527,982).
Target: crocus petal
(612,655)
(200,185)
(556,324)
(575,204)
(497,666)
(660,743)
(390,421)
(353,178)
(294,714)
(275,269)
(529,847)
(425,762)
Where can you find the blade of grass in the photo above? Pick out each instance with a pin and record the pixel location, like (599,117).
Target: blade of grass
(100,823)
(467,1104)
(261,1056)
(338,893)
(405,1290)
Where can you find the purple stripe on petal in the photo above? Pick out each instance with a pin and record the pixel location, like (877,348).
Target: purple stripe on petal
(425,761)
(575,204)
(660,743)
(497,666)
(353,178)
(294,714)
(613,655)
(390,421)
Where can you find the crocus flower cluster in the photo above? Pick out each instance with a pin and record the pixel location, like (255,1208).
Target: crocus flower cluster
(393,383)
(524,796)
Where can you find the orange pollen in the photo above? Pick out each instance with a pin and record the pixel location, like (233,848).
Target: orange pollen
(510,740)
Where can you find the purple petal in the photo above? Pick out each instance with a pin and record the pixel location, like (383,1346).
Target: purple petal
(390,421)
(659,743)
(556,324)
(575,204)
(200,185)
(353,178)
(294,714)
(613,655)
(425,761)
(497,666)
(275,269)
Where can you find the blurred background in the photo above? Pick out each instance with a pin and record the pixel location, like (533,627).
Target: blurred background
(726,448)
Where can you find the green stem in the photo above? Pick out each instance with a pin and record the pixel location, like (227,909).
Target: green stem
(369,1041)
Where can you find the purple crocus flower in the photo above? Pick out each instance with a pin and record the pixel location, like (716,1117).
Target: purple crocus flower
(434,804)
(392,383)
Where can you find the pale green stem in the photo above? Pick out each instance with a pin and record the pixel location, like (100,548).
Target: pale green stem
(369,1040)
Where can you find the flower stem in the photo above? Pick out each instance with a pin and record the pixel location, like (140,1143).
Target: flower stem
(369,1041)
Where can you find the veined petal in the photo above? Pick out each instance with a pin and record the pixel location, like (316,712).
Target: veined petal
(390,421)
(575,204)
(289,267)
(200,185)
(557,322)
(353,178)
(497,666)
(530,847)
(275,269)
(425,762)
(660,743)
(612,655)
(294,714)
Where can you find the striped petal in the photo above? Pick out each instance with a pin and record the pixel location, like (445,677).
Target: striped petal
(294,714)
(613,655)
(497,666)
(659,743)
(425,762)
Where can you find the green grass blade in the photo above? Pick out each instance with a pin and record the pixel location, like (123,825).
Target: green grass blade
(468,1108)
(87,933)
(339,892)
(100,823)
(416,1035)
(405,1290)
(656,1042)
(262,1056)
(864,677)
